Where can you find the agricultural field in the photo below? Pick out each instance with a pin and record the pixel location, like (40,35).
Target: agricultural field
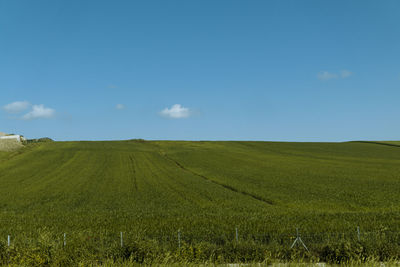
(186,201)
(396,143)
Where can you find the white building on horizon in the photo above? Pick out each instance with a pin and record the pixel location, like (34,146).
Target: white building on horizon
(4,136)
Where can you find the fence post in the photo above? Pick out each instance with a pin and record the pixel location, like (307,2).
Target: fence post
(122,241)
(8,240)
(179,238)
(358,233)
(237,235)
(65,239)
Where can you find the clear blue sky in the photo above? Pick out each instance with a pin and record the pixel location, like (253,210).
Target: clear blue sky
(201,70)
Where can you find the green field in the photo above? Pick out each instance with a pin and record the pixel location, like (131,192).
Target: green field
(151,189)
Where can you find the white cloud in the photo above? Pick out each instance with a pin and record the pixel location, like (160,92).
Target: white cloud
(39,112)
(345,73)
(119,106)
(325,75)
(17,107)
(176,112)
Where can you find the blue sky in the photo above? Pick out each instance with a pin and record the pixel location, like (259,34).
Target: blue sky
(201,70)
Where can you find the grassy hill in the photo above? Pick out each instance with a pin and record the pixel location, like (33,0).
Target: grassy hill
(151,189)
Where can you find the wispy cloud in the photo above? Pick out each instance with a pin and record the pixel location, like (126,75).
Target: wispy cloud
(17,107)
(120,106)
(39,112)
(345,73)
(326,75)
(176,112)
(112,86)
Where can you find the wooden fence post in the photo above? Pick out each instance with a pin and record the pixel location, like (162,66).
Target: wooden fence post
(179,238)
(237,235)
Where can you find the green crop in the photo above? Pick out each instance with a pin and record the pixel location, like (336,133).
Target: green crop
(150,190)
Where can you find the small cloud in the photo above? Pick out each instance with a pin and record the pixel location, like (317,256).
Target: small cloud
(120,106)
(345,73)
(17,107)
(325,75)
(39,112)
(112,86)
(176,112)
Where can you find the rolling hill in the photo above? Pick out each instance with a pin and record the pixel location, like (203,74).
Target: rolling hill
(151,189)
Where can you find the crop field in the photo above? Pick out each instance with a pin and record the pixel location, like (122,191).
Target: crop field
(227,201)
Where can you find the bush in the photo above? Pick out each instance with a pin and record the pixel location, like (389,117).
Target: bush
(39,140)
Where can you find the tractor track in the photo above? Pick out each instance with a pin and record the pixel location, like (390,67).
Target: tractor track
(133,171)
(259,198)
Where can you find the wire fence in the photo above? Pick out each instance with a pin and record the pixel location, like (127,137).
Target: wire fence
(177,239)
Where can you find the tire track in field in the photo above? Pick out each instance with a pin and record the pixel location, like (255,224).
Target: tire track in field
(133,171)
(259,198)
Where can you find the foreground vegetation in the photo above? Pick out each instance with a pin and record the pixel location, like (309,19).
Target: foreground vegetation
(205,191)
